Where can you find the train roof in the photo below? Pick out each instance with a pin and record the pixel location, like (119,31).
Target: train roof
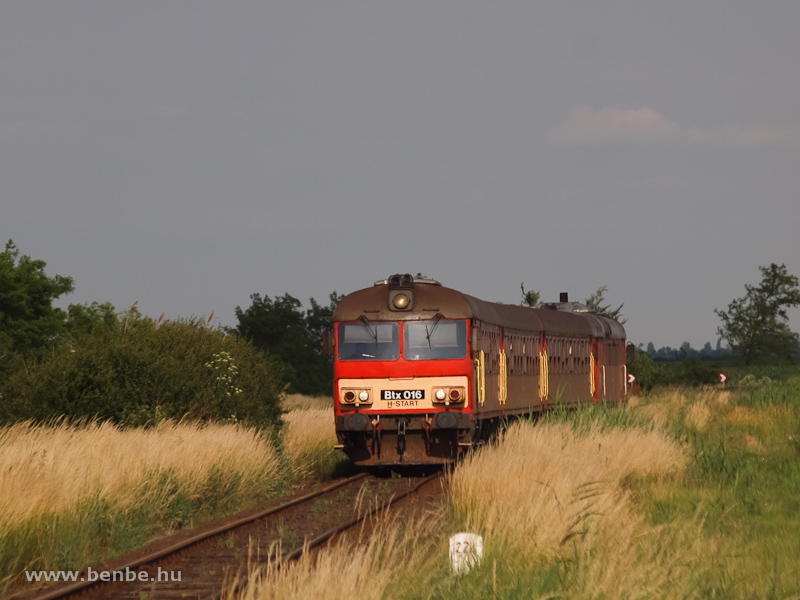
(431,298)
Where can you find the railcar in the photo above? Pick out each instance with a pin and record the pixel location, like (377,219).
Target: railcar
(423,372)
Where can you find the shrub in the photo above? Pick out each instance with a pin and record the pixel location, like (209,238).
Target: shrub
(691,371)
(646,371)
(137,372)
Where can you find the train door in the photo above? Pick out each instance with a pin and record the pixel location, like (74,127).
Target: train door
(544,371)
(487,365)
(502,375)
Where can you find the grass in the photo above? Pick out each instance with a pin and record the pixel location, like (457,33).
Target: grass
(684,493)
(309,437)
(743,481)
(72,495)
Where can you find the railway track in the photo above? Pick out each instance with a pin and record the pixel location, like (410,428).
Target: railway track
(199,566)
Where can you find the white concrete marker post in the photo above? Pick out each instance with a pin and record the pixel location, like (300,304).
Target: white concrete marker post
(466,551)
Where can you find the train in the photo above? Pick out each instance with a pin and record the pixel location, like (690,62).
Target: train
(422,372)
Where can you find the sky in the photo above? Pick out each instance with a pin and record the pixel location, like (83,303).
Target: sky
(186,155)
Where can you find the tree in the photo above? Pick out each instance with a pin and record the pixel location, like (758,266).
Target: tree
(529,298)
(281,327)
(89,318)
(595,304)
(319,318)
(28,321)
(755,326)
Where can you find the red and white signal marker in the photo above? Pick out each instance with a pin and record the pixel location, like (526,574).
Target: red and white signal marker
(631,378)
(723,378)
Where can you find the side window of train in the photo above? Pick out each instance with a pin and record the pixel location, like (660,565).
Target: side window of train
(488,349)
(528,356)
(585,354)
(526,349)
(512,355)
(570,356)
(565,354)
(556,356)
(494,351)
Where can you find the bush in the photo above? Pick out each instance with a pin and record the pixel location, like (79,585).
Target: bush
(646,371)
(136,372)
(691,371)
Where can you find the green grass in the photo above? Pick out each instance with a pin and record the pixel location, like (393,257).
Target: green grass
(728,525)
(742,487)
(784,372)
(724,523)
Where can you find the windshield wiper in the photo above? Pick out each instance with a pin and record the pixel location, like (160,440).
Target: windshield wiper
(372,334)
(428,334)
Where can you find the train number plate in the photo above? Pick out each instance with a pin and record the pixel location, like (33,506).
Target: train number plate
(402,394)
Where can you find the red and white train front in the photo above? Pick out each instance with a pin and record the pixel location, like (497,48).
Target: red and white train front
(423,372)
(402,374)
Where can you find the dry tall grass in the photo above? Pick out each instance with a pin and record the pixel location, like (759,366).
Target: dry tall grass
(539,488)
(550,491)
(72,495)
(302,402)
(353,569)
(308,440)
(697,405)
(309,436)
(49,469)
(546,493)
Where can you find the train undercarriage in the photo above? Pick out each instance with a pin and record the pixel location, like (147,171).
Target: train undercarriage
(375,440)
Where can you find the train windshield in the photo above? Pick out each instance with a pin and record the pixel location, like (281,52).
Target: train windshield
(431,340)
(368,341)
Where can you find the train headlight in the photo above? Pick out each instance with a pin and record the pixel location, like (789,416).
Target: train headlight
(355,396)
(400,301)
(449,395)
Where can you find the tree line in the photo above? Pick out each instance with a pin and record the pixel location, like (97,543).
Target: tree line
(669,354)
(755,326)
(92,360)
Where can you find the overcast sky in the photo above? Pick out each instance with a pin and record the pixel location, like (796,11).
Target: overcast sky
(188,154)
